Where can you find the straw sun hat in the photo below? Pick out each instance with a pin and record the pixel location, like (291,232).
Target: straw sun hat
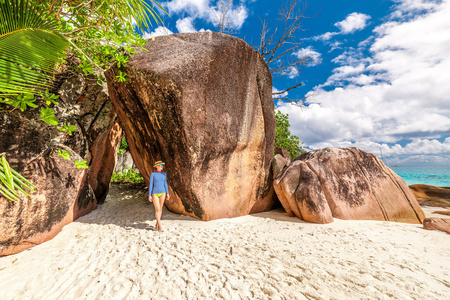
(159,162)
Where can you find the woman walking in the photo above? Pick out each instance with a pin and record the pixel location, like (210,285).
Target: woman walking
(158,191)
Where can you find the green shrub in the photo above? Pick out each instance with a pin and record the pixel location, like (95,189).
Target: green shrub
(123,146)
(284,138)
(128,176)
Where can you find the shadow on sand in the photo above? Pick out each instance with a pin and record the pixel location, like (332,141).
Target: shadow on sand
(128,206)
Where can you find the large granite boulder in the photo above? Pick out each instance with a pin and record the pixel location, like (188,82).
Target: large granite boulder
(429,195)
(63,192)
(201,102)
(344,183)
(440,224)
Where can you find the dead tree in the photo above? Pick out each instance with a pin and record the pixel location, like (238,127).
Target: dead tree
(278,45)
(222,16)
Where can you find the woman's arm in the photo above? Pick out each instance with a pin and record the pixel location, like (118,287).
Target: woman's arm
(150,188)
(167,188)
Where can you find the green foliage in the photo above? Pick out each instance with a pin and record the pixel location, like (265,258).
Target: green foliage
(36,35)
(102,32)
(11,182)
(81,164)
(123,146)
(64,154)
(122,77)
(21,101)
(49,98)
(68,129)
(48,116)
(284,138)
(128,176)
(30,48)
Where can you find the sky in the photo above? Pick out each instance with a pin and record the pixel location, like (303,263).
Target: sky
(378,75)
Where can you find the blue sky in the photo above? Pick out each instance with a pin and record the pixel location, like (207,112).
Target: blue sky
(379,77)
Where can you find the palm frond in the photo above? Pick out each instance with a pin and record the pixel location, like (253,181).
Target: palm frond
(11,182)
(29,48)
(143,12)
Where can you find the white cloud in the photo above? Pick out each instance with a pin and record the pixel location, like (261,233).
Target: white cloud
(206,10)
(429,151)
(325,37)
(234,17)
(160,30)
(292,72)
(185,25)
(193,7)
(313,57)
(342,75)
(353,22)
(400,93)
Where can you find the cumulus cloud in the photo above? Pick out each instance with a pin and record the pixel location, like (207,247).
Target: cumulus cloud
(352,23)
(325,37)
(234,17)
(401,94)
(193,7)
(185,25)
(208,11)
(160,30)
(292,72)
(313,57)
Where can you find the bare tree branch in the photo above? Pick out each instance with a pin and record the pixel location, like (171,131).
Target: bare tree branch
(278,46)
(222,15)
(286,90)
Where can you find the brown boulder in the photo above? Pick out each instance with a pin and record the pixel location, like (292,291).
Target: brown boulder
(442,212)
(63,192)
(431,195)
(201,102)
(345,183)
(437,224)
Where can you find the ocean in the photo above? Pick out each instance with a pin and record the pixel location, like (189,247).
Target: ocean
(437,176)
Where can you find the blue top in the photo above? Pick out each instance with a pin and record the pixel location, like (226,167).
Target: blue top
(158,183)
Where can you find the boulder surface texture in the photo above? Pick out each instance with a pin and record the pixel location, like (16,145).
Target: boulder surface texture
(63,192)
(437,224)
(201,102)
(345,183)
(431,195)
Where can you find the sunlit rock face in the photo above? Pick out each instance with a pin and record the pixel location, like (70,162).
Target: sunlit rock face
(440,224)
(201,102)
(345,183)
(63,192)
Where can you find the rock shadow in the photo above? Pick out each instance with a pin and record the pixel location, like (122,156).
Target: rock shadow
(127,206)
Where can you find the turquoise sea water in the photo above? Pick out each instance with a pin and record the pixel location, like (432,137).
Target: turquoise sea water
(439,176)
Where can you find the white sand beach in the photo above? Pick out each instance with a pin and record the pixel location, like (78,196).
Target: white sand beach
(114,253)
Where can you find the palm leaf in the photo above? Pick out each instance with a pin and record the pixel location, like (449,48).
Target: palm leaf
(11,180)
(142,11)
(29,48)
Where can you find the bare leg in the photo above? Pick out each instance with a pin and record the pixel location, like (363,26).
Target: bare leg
(161,205)
(157,209)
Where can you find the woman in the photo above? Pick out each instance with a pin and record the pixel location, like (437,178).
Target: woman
(158,191)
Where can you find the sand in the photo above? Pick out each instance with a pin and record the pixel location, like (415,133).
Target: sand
(114,253)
